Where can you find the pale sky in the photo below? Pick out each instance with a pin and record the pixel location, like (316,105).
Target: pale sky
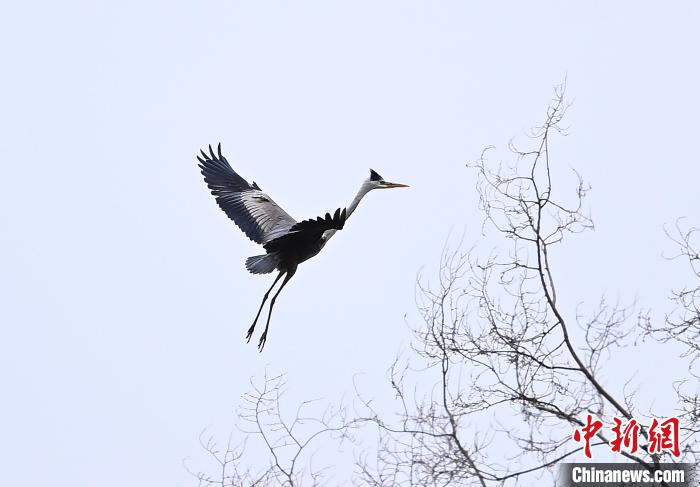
(123,299)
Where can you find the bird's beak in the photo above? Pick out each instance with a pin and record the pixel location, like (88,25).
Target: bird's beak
(395,185)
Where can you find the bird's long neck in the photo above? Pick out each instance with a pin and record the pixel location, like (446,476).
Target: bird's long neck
(364,189)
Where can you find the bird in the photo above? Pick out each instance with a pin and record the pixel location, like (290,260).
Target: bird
(287,242)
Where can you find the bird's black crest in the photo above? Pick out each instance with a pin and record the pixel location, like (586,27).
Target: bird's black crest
(374,175)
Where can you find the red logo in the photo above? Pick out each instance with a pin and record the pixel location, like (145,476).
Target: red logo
(667,439)
(663,436)
(629,436)
(588,431)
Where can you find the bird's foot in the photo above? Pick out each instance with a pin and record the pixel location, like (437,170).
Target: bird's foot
(250,333)
(263,339)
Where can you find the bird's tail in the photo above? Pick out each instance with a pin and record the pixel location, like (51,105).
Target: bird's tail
(261,264)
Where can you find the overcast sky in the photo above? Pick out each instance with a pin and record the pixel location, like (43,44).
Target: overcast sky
(123,297)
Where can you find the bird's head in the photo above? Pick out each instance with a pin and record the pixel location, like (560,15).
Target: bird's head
(375,181)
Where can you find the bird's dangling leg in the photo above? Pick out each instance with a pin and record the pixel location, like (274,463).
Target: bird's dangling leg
(263,337)
(252,327)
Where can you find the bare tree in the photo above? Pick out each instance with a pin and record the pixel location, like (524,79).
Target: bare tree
(287,445)
(500,374)
(502,351)
(683,327)
(229,470)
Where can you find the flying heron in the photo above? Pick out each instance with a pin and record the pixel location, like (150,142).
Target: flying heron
(287,242)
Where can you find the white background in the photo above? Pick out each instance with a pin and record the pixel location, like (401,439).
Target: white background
(123,296)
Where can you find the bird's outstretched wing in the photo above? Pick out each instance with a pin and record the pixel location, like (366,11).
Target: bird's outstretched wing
(308,231)
(253,211)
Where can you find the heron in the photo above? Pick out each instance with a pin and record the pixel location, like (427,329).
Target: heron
(287,242)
